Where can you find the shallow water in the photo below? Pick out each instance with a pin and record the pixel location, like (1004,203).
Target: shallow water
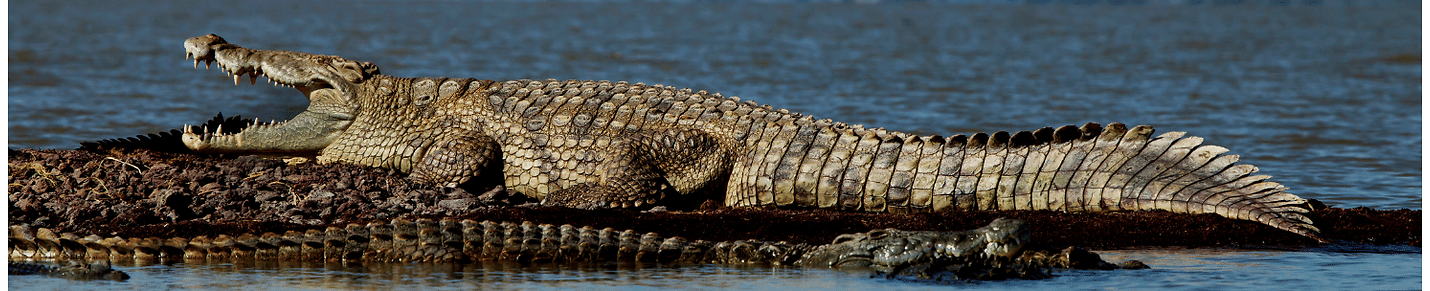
(1213,269)
(1326,98)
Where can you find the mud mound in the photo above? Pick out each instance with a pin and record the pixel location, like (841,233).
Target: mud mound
(139,193)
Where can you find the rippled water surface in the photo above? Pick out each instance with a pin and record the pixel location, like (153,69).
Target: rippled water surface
(1326,98)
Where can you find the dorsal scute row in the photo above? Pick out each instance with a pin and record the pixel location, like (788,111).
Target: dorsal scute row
(528,98)
(672,99)
(1046,135)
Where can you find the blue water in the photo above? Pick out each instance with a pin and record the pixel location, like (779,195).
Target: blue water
(1325,98)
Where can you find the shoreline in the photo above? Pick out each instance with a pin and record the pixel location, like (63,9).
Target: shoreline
(103,192)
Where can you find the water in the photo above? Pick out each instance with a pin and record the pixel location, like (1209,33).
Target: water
(1326,98)
(1173,269)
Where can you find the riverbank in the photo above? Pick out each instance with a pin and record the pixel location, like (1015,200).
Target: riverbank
(139,193)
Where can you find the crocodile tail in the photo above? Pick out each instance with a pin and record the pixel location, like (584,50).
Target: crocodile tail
(1092,169)
(1070,169)
(1172,172)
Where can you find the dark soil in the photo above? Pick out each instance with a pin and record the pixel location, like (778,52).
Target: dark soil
(139,193)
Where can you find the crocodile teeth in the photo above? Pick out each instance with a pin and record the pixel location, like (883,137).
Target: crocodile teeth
(196,63)
(252,80)
(235,79)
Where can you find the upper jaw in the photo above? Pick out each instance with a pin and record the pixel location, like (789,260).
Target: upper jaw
(328,82)
(303,71)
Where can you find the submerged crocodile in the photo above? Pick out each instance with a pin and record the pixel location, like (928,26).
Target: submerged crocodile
(995,251)
(594,144)
(94,270)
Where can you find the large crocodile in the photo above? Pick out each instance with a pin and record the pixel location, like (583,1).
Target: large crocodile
(995,251)
(593,144)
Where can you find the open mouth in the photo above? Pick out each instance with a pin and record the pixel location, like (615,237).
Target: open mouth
(326,81)
(215,131)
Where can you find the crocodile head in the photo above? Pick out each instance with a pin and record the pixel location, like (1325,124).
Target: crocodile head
(329,83)
(895,249)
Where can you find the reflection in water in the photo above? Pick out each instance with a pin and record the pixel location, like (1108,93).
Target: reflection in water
(1171,269)
(304,275)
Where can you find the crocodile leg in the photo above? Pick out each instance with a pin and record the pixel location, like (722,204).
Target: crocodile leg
(454,159)
(625,178)
(653,165)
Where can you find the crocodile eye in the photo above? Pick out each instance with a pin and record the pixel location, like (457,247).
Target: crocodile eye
(352,71)
(878,234)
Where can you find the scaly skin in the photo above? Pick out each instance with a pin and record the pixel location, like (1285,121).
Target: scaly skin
(95,270)
(991,252)
(592,144)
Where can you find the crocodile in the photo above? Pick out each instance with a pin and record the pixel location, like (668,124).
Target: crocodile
(602,144)
(94,270)
(995,251)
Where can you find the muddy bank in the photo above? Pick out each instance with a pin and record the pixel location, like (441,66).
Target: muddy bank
(139,193)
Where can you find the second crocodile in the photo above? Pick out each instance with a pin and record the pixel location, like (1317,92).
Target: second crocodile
(995,251)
